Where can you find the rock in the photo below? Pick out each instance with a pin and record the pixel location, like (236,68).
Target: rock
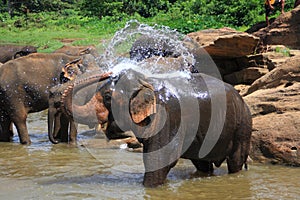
(259,25)
(225,42)
(274,102)
(241,88)
(287,74)
(245,76)
(276,138)
(285,30)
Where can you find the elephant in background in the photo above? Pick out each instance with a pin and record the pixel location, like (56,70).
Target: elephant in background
(146,47)
(24,88)
(150,107)
(9,52)
(61,125)
(61,119)
(78,50)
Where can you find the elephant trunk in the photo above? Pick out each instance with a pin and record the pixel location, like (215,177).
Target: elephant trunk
(84,114)
(51,127)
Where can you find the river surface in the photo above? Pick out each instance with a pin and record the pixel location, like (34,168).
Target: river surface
(95,169)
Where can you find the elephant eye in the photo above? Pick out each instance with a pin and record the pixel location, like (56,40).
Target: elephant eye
(107,96)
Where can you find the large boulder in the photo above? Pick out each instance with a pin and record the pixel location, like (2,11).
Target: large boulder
(274,102)
(225,42)
(285,30)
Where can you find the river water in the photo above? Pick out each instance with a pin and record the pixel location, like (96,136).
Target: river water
(96,169)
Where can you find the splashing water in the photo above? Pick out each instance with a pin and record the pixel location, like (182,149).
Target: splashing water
(154,50)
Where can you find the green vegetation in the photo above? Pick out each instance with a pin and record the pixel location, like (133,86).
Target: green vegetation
(45,23)
(283,50)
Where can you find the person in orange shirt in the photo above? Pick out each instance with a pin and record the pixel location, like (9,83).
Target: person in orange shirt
(270,6)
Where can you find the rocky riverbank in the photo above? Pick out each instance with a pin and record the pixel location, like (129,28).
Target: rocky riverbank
(264,66)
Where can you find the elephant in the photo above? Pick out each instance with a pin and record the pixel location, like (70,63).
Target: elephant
(207,122)
(9,52)
(60,119)
(24,88)
(147,46)
(77,50)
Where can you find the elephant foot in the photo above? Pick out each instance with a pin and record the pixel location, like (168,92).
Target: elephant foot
(203,166)
(26,142)
(133,143)
(156,178)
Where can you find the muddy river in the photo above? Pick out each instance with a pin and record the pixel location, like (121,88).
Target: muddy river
(95,169)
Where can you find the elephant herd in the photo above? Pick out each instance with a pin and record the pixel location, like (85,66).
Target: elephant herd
(171,117)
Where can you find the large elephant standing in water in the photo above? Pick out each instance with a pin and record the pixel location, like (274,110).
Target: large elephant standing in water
(24,88)
(207,122)
(9,52)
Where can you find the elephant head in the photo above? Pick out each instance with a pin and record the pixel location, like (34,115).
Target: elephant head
(97,110)
(71,70)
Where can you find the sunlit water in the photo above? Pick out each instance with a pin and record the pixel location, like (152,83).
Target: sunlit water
(95,169)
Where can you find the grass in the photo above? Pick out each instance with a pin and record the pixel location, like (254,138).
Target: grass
(46,30)
(47,33)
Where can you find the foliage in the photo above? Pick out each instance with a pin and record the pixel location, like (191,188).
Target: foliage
(45,22)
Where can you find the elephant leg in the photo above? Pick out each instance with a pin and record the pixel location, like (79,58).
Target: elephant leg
(73,132)
(63,128)
(241,148)
(19,119)
(57,127)
(237,159)
(6,132)
(203,166)
(156,178)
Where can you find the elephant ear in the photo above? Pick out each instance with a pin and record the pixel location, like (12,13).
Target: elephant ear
(72,69)
(142,102)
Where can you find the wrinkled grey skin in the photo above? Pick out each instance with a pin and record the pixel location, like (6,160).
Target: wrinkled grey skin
(9,52)
(24,88)
(143,93)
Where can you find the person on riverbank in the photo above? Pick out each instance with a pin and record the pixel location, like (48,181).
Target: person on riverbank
(297,3)
(271,5)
